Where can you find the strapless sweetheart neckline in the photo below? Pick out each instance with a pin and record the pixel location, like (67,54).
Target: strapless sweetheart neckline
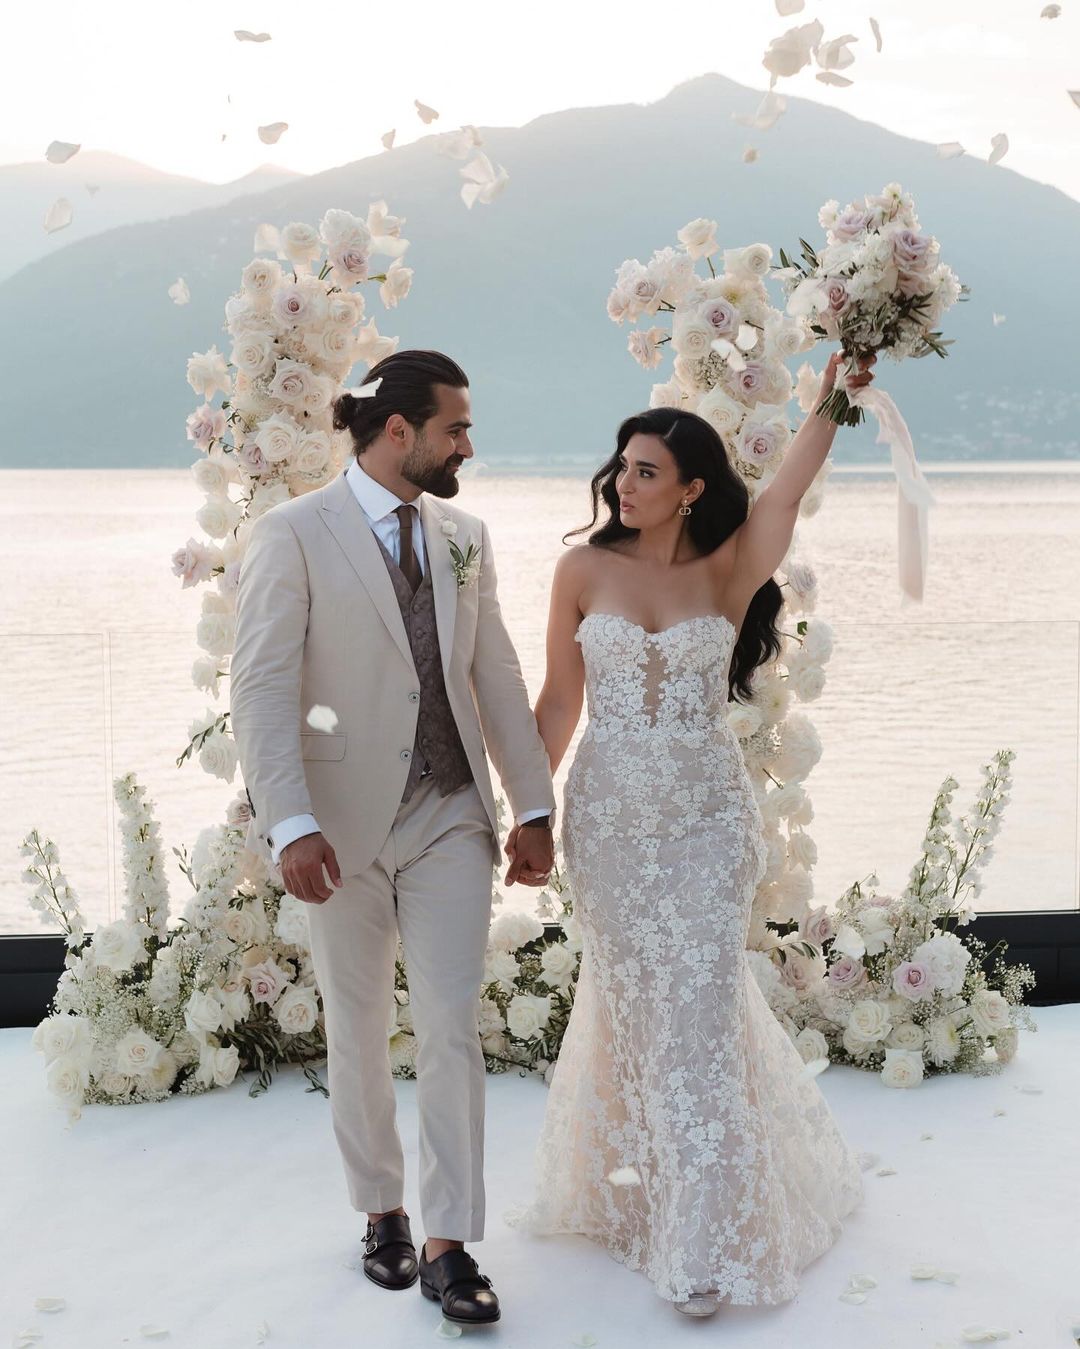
(697,618)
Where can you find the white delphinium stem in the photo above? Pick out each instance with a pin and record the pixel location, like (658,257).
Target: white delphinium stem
(146,885)
(52,895)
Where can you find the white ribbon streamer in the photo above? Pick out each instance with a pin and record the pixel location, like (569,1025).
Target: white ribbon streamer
(913,496)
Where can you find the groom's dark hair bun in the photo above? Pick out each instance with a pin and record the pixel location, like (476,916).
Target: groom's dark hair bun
(408,388)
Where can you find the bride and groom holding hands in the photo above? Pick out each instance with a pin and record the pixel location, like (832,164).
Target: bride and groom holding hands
(376,597)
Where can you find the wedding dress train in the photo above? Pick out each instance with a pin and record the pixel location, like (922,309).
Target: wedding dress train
(673,1063)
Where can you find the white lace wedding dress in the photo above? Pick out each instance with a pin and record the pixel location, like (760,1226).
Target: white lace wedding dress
(673,1062)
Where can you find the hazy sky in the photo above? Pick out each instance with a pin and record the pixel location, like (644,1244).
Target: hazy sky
(150,80)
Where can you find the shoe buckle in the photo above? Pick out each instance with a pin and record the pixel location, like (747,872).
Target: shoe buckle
(371,1247)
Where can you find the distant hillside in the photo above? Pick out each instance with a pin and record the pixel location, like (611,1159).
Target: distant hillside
(516,290)
(126,192)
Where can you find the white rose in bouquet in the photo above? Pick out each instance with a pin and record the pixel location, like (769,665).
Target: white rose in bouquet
(119,946)
(300,243)
(68,1078)
(990,1012)
(511,931)
(57,1036)
(211,476)
(818,640)
(279,437)
(903,1068)
(253,354)
(490,1019)
(558,964)
(527,1015)
(202,1015)
(297,1010)
(216,633)
(205,425)
(137,1053)
(291,383)
(260,279)
(906,1035)
(800,747)
(501,967)
(692,335)
(743,719)
(947,958)
(218,516)
(208,372)
(341,229)
(722,413)
(397,284)
(811,1044)
(877,929)
(699,238)
(755,260)
(869,1021)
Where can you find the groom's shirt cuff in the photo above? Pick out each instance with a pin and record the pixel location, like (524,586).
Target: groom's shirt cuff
(288,831)
(533,815)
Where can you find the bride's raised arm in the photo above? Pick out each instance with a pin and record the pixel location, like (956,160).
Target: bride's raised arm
(762,542)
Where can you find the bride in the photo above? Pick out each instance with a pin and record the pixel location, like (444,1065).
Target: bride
(673,1067)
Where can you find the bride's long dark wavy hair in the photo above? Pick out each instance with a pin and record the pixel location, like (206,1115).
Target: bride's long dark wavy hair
(722,506)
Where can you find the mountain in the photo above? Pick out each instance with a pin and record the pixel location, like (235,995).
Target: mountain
(106,190)
(516,290)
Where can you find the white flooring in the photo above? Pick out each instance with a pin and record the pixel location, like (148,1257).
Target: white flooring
(212,1217)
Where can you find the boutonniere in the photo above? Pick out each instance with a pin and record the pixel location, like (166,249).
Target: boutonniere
(466,564)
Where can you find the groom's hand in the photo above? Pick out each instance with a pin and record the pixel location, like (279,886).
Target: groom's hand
(302,868)
(531,851)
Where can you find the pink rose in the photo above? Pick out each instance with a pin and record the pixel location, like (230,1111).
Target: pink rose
(753,380)
(351,263)
(251,459)
(722,317)
(266,981)
(195,561)
(847,973)
(817,926)
(912,980)
(836,293)
(204,425)
(910,250)
(850,224)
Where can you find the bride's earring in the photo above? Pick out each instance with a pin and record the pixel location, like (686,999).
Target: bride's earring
(684,509)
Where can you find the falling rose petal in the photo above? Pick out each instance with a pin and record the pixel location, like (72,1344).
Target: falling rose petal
(24,1338)
(1074,94)
(624,1175)
(459,144)
(585,1341)
(272,132)
(178,292)
(731,354)
(388,139)
(999,319)
(262,1333)
(831,77)
(1050,12)
(875,28)
(363,391)
(152,1332)
(886,1171)
(749,155)
(59,215)
(770,108)
(1000,142)
(786,7)
(863,1281)
(242,35)
(446,1330)
(1029,1090)
(59,152)
(322,718)
(977,1334)
(923,1271)
(815,1067)
(483,182)
(950,150)
(427,115)
(836,54)
(50,1304)
(852,1296)
(945,1276)
(267,239)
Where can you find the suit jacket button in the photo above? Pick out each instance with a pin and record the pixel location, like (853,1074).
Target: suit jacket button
(414,697)
(406,754)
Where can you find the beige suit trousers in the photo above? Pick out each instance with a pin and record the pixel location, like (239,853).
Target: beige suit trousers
(430,882)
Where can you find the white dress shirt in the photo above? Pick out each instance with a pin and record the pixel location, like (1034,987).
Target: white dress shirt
(378,504)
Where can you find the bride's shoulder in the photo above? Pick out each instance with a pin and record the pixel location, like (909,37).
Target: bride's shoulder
(581,559)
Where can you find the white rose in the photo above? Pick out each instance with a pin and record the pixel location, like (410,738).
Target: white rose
(57,1036)
(990,1012)
(811,1044)
(501,967)
(527,1015)
(699,238)
(558,964)
(804,851)
(216,633)
(903,1068)
(163,1073)
(118,946)
(202,1015)
(292,380)
(267,981)
(253,353)
(345,310)
(818,640)
(313,455)
(760,441)
(808,683)
(235,1007)
(113,1083)
(511,931)
(137,1053)
(869,1021)
(278,437)
(802,972)
(752,261)
(692,336)
(341,229)
(207,372)
(300,243)
(218,516)
(67,1078)
(297,1010)
(211,476)
(948,959)
(721,411)
(260,278)
(218,1066)
(490,1019)
(743,719)
(906,1035)
(397,284)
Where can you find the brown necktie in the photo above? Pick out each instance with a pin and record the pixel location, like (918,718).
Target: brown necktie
(407,559)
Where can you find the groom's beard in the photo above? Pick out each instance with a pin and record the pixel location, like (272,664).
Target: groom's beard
(437,478)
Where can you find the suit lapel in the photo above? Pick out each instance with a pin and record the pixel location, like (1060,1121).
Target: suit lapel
(443,580)
(341,513)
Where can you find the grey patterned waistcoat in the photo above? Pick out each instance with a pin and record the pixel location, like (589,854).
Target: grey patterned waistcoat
(438,743)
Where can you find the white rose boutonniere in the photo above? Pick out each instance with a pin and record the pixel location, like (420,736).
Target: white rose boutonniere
(466,564)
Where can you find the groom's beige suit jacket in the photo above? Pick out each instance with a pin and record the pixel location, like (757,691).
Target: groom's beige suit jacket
(318,623)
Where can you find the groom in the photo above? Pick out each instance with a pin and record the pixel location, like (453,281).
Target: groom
(349,597)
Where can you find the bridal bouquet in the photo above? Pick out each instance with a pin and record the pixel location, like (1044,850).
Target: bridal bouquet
(886,983)
(297,327)
(878,285)
(143,1011)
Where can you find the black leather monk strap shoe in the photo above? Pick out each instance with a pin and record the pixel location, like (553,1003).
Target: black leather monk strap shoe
(454,1279)
(389,1253)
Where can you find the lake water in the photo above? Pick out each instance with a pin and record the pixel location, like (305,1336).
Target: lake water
(98,641)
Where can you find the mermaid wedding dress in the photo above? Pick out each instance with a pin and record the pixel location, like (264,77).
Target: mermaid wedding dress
(673,1063)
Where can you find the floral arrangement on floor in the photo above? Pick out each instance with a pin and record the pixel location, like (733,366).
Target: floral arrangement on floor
(731,346)
(142,1010)
(886,983)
